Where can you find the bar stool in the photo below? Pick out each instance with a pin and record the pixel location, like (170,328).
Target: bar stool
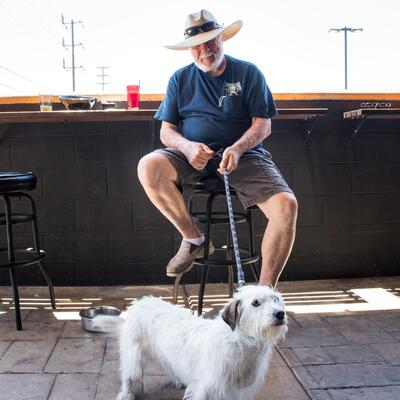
(11,186)
(210,188)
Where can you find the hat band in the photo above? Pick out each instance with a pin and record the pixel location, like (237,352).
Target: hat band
(206,27)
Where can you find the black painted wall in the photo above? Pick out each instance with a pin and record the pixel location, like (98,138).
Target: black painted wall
(98,228)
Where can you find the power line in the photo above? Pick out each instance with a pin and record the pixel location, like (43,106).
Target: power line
(72,45)
(49,4)
(8,12)
(102,75)
(18,21)
(9,87)
(24,77)
(44,25)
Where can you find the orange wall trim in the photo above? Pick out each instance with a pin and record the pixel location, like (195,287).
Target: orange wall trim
(277,96)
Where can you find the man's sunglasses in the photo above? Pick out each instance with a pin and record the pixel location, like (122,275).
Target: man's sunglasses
(195,30)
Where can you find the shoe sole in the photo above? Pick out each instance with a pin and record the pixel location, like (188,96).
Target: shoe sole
(189,267)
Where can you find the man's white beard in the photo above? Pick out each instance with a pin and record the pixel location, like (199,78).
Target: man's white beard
(215,65)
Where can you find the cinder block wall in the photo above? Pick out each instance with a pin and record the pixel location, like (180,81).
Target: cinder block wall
(98,228)
(348,193)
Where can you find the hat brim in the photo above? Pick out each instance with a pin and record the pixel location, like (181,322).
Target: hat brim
(226,34)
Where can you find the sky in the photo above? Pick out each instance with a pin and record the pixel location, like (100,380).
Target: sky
(287,39)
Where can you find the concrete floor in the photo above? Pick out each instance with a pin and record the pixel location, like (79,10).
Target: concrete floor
(343,343)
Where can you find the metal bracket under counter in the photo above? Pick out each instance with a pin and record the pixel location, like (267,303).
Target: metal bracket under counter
(308,116)
(357,118)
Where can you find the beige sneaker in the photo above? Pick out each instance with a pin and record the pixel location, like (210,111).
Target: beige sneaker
(183,260)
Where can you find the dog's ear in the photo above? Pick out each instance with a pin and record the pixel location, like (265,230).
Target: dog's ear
(231,314)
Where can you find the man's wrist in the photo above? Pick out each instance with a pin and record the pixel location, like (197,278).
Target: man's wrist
(183,145)
(238,147)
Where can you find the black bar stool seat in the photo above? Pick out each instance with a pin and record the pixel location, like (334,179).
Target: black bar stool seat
(210,188)
(15,181)
(12,186)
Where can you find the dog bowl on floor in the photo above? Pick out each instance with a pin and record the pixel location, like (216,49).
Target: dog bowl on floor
(78,102)
(88,314)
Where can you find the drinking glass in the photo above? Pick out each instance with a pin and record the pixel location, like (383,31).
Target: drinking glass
(133,97)
(46,102)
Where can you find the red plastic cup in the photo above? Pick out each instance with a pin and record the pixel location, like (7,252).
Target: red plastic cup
(133,97)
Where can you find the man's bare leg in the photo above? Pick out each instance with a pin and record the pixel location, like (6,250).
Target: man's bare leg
(277,243)
(158,177)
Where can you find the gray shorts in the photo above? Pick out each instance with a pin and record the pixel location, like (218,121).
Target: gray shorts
(255,180)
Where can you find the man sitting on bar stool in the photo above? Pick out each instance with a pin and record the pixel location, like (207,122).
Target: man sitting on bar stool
(218,99)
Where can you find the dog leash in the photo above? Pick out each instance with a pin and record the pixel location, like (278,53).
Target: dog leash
(218,147)
(240,273)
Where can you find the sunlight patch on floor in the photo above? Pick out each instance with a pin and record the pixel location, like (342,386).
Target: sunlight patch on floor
(299,302)
(367,299)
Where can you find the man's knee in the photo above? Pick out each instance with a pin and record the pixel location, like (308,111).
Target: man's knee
(281,207)
(154,167)
(148,167)
(289,207)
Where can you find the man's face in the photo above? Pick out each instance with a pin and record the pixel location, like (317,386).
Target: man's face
(208,56)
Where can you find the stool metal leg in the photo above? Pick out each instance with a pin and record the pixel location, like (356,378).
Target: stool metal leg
(36,242)
(204,271)
(185,295)
(229,257)
(203,281)
(11,259)
(254,268)
(49,284)
(176,289)
(13,280)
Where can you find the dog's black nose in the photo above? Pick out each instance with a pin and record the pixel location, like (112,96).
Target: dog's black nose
(280,315)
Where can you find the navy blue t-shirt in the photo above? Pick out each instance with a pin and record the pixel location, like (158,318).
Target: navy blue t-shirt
(210,109)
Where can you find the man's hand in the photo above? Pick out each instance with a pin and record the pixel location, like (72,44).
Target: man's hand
(198,154)
(230,160)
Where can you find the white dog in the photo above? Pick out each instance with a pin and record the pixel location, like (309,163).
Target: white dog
(225,358)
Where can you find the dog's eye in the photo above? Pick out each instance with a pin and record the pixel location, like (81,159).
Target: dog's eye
(256,303)
(276,299)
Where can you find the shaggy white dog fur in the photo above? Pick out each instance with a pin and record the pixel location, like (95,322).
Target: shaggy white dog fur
(225,358)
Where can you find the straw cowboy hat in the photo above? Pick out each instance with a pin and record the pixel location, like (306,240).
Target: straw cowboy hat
(201,27)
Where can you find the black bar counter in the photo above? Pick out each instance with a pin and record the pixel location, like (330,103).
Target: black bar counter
(98,227)
(7,117)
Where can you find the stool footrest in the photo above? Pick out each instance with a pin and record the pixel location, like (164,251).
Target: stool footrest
(219,217)
(224,263)
(16,218)
(25,262)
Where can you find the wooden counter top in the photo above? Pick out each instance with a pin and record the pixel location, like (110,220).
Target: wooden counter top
(8,117)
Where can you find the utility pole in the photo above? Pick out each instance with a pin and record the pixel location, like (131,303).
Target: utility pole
(72,45)
(345,30)
(102,75)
